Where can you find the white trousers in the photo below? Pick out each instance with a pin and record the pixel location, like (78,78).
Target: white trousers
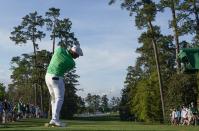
(56,88)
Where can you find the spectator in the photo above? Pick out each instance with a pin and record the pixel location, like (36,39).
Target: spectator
(27,111)
(177,116)
(14,115)
(5,110)
(195,113)
(37,111)
(19,110)
(173,116)
(184,115)
(189,115)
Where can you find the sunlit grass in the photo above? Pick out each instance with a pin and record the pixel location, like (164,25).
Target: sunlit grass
(85,125)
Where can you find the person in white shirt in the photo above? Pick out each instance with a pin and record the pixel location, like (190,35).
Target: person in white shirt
(173,115)
(189,115)
(184,115)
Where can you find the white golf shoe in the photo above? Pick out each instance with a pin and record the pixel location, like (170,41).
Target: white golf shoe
(57,123)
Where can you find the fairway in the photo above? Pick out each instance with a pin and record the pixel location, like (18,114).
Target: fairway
(77,125)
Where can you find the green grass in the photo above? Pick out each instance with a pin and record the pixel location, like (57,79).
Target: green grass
(85,125)
(99,118)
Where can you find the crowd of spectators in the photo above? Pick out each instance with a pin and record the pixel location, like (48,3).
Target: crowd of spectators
(10,112)
(185,115)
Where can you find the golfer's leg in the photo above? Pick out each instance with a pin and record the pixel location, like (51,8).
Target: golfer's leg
(59,98)
(49,84)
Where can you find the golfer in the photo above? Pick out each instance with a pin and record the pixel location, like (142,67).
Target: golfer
(61,62)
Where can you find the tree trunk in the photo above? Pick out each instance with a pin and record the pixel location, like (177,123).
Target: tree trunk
(176,35)
(53,38)
(41,98)
(34,66)
(158,68)
(197,19)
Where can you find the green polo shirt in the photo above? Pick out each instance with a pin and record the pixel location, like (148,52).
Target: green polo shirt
(61,62)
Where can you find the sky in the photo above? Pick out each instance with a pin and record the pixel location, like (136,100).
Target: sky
(107,35)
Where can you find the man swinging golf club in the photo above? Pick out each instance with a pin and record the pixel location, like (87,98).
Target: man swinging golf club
(61,62)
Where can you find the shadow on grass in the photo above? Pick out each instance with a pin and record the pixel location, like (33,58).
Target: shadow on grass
(98,118)
(25,123)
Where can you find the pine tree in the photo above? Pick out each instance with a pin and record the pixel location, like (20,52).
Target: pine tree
(29,29)
(52,22)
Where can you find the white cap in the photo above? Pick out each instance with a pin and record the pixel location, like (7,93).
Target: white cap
(77,49)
